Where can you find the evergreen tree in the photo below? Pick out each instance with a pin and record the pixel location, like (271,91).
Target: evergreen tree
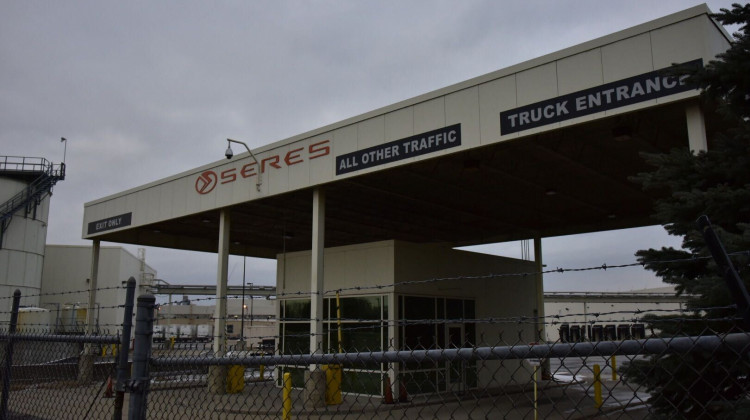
(715,183)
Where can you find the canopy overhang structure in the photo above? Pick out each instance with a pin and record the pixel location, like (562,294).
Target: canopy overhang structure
(571,180)
(559,178)
(543,148)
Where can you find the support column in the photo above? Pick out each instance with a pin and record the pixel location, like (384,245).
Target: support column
(315,378)
(539,283)
(86,361)
(696,127)
(316,271)
(540,324)
(393,344)
(90,320)
(217,374)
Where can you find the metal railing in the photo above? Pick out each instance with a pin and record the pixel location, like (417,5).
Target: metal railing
(30,164)
(47,176)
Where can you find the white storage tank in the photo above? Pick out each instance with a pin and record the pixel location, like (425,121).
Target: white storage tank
(25,190)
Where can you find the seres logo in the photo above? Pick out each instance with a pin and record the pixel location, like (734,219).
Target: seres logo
(206,182)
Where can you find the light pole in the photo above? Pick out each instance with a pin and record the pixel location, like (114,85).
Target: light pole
(242,320)
(65,147)
(229,153)
(252,298)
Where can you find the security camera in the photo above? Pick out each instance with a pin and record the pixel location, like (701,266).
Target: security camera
(229,153)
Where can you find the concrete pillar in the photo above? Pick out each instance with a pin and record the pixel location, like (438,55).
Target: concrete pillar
(539,282)
(541,327)
(696,127)
(217,374)
(393,342)
(90,314)
(86,361)
(316,272)
(315,389)
(315,378)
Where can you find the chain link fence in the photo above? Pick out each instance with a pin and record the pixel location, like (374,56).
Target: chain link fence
(667,363)
(508,379)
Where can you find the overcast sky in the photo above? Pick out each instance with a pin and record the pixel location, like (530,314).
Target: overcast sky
(144,89)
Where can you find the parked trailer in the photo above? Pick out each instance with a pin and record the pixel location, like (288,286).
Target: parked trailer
(186,333)
(159,333)
(205,333)
(171,332)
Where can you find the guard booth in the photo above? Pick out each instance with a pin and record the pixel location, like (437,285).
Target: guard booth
(539,149)
(374,297)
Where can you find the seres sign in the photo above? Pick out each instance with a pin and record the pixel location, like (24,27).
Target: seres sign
(420,144)
(207,181)
(110,223)
(643,87)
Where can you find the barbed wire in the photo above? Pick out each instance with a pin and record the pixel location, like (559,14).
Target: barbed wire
(69,292)
(327,331)
(74,306)
(529,320)
(379,325)
(558,270)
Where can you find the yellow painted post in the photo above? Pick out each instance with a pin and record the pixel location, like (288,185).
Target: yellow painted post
(597,386)
(334,373)
(104,351)
(338,320)
(171,342)
(286,411)
(235,379)
(262,372)
(333,384)
(614,367)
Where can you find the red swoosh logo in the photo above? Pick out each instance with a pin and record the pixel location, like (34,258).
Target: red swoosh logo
(206,182)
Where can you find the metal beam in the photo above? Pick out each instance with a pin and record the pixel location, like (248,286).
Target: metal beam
(193,290)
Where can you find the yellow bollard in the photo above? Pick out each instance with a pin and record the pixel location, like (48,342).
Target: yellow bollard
(235,379)
(333,384)
(262,372)
(171,342)
(614,367)
(597,386)
(104,351)
(286,411)
(114,349)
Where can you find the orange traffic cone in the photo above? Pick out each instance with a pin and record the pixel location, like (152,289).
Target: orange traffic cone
(109,392)
(402,394)
(388,394)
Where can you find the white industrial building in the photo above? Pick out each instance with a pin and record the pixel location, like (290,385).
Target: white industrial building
(255,324)
(66,278)
(542,148)
(597,316)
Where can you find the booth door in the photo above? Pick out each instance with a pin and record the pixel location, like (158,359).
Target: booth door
(455,370)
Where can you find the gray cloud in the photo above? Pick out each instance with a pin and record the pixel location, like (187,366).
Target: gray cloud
(144,90)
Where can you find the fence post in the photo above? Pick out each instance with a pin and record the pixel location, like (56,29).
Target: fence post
(122,364)
(734,282)
(9,354)
(144,329)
